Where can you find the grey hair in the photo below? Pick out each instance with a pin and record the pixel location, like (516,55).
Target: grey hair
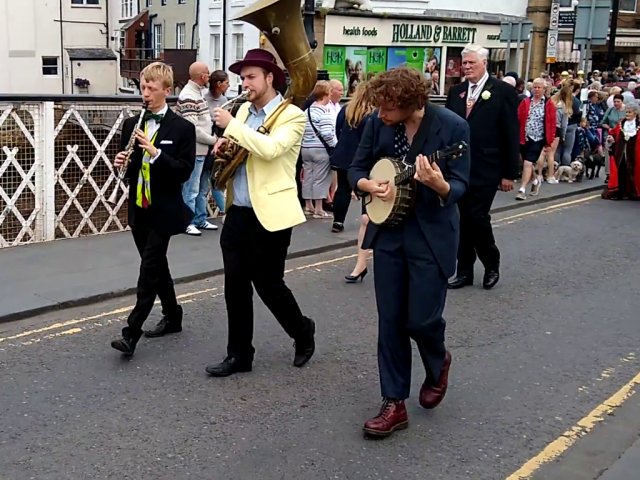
(538,81)
(483,53)
(510,80)
(631,86)
(634,107)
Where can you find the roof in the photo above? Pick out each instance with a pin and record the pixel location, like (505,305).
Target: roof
(143,13)
(91,54)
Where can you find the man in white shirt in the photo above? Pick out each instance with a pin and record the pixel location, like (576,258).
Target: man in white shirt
(337,92)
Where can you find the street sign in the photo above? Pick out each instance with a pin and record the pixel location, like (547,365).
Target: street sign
(512,36)
(566,19)
(554,19)
(599,22)
(552,46)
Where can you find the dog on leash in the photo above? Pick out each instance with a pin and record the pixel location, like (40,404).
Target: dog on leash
(593,164)
(569,174)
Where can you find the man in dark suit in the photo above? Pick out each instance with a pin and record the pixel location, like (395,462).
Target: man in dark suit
(490,107)
(163,159)
(412,261)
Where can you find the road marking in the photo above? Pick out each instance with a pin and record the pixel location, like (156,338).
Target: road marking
(119,311)
(547,209)
(565,441)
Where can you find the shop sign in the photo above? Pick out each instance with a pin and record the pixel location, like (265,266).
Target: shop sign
(421,33)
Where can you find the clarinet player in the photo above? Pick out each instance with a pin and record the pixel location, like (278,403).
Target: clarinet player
(163,159)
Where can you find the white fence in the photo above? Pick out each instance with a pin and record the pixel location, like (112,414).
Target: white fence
(56,168)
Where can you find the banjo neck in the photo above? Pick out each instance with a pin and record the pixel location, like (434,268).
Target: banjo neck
(410,171)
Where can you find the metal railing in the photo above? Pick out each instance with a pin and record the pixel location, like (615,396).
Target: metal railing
(56,169)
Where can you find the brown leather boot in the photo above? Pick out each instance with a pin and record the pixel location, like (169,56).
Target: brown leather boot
(432,395)
(392,417)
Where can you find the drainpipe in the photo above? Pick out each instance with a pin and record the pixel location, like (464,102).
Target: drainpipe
(309,27)
(195,25)
(108,25)
(223,53)
(61,49)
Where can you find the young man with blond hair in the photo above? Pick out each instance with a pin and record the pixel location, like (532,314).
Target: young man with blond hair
(162,160)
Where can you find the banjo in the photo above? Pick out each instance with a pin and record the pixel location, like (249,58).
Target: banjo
(400,175)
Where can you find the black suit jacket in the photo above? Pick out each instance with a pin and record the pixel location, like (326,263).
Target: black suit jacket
(495,134)
(176,139)
(439,223)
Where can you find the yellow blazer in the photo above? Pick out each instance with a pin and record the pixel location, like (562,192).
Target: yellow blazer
(271,167)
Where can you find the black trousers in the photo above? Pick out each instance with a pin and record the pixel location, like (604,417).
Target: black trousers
(411,292)
(253,255)
(476,234)
(154,279)
(342,197)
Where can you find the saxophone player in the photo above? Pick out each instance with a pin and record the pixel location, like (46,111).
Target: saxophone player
(262,209)
(157,169)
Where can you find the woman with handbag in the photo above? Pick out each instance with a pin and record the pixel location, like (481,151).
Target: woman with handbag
(318,142)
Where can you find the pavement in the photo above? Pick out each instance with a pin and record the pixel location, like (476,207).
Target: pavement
(41,277)
(545,369)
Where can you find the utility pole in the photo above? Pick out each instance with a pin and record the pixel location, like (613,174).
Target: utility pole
(611,58)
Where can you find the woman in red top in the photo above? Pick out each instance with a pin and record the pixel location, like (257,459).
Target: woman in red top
(537,117)
(624,178)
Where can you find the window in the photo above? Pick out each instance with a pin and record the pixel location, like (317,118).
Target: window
(628,5)
(182,2)
(214,50)
(157,41)
(565,3)
(149,3)
(180,35)
(50,66)
(85,2)
(238,45)
(163,3)
(127,9)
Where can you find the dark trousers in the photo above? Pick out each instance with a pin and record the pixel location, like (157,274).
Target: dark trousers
(299,179)
(476,234)
(411,292)
(154,279)
(252,255)
(342,197)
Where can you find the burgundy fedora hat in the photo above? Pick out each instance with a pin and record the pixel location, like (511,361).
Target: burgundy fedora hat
(263,59)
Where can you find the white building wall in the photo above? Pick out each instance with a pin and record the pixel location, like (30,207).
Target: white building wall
(30,30)
(240,36)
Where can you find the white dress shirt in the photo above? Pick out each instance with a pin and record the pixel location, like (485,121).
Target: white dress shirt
(473,94)
(152,128)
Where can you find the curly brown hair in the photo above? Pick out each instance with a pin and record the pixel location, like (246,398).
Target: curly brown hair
(406,87)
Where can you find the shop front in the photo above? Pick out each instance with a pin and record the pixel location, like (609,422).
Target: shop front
(358,47)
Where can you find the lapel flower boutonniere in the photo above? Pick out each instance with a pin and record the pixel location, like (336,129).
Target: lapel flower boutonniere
(486,95)
(463,94)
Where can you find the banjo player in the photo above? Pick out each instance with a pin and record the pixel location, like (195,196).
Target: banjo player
(413,260)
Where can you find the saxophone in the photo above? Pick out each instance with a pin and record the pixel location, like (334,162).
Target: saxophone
(271,17)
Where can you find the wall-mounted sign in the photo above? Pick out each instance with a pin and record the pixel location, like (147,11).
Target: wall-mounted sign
(567,19)
(377,31)
(425,33)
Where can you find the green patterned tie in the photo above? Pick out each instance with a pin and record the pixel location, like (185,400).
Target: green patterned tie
(153,116)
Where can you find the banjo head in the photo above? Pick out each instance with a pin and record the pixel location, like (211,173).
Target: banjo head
(384,170)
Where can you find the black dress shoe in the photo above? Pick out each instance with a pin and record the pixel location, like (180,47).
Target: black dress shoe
(490,279)
(125,345)
(355,278)
(461,281)
(229,366)
(165,326)
(305,348)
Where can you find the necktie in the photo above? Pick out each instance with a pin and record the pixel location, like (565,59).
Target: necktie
(153,116)
(471,100)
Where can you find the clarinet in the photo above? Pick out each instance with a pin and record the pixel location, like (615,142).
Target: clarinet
(113,198)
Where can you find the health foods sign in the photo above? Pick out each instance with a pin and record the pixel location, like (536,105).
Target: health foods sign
(421,33)
(387,32)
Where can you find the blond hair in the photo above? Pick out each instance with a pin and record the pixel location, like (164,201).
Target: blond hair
(358,107)
(564,97)
(158,71)
(322,90)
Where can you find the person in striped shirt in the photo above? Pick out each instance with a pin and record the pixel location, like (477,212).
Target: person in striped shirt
(318,142)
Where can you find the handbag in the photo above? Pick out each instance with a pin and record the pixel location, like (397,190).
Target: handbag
(315,130)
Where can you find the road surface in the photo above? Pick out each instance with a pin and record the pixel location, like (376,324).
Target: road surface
(556,339)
